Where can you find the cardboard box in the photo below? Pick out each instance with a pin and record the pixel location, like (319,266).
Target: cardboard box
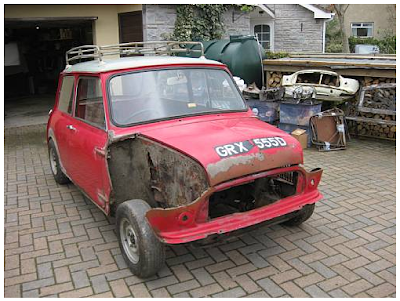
(301,136)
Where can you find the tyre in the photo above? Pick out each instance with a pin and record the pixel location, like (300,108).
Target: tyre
(143,252)
(55,166)
(303,215)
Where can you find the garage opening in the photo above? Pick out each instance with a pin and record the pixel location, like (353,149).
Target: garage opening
(34,56)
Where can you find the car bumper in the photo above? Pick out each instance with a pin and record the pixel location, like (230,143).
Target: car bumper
(189,223)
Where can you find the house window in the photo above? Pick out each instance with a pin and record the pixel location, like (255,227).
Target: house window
(263,33)
(362,30)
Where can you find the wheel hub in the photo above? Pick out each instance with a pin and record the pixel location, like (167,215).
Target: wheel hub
(129,240)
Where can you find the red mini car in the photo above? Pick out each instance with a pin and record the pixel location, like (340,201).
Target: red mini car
(168,146)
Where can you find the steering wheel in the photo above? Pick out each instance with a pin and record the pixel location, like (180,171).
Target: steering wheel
(144,111)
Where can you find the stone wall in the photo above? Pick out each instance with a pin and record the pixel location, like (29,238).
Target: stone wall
(159,21)
(296,30)
(238,25)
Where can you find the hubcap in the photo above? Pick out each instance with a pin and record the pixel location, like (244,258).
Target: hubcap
(129,240)
(53,161)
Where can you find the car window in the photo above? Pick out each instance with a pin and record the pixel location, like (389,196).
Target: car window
(89,101)
(66,94)
(159,94)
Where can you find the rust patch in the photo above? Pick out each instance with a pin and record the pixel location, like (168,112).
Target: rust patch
(140,168)
(235,167)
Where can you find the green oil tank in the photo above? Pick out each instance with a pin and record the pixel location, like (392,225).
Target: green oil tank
(242,54)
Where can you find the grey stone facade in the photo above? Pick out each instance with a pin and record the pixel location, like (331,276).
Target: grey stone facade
(159,21)
(236,23)
(295,28)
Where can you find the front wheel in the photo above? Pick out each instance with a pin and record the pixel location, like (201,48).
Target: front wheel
(141,249)
(303,215)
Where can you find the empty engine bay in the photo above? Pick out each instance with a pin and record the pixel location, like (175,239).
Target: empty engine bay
(249,196)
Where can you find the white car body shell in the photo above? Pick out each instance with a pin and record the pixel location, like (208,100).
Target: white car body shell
(345,89)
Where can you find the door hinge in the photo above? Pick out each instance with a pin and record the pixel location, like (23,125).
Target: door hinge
(100,151)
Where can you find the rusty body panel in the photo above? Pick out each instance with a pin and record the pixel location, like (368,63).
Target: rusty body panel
(233,167)
(141,168)
(189,223)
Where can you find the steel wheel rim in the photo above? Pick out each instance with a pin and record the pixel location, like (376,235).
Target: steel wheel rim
(53,161)
(129,240)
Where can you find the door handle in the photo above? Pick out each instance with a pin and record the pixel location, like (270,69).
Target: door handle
(70,127)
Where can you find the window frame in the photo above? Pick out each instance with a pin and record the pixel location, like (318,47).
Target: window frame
(80,77)
(73,95)
(363,25)
(262,33)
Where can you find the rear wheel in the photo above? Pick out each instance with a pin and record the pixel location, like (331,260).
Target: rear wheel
(141,249)
(58,174)
(303,215)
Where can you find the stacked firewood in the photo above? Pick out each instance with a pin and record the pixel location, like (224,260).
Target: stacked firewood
(368,81)
(275,78)
(383,99)
(385,131)
(380,99)
(377,99)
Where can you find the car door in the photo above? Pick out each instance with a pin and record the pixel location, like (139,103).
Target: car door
(88,138)
(62,117)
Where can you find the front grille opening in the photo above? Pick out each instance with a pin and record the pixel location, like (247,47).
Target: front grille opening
(246,197)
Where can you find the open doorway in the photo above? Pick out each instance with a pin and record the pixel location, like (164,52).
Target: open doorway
(34,57)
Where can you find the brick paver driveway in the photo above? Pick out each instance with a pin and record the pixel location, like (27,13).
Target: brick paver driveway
(58,244)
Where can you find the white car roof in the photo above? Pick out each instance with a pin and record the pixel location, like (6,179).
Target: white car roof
(97,66)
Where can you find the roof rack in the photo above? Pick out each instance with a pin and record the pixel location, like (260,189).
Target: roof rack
(153,47)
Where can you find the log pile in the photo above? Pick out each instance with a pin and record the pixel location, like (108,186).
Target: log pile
(378,99)
(383,99)
(275,78)
(368,81)
(370,129)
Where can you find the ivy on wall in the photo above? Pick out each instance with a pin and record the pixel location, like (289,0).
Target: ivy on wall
(195,22)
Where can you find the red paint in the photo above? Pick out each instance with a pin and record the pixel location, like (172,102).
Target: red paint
(166,225)
(195,136)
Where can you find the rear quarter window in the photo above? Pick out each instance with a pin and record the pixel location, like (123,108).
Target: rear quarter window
(66,94)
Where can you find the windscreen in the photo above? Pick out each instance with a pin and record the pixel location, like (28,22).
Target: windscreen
(160,94)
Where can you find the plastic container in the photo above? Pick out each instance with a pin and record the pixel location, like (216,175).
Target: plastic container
(242,55)
(289,128)
(298,114)
(266,110)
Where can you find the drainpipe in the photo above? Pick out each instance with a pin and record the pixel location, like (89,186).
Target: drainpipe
(323,36)
(324,33)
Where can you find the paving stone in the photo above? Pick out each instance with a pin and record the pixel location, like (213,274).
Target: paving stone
(99,284)
(205,291)
(270,287)
(54,238)
(225,280)
(315,292)
(56,289)
(80,279)
(203,276)
(356,287)
(27,286)
(182,286)
(161,282)
(140,291)
(232,293)
(119,288)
